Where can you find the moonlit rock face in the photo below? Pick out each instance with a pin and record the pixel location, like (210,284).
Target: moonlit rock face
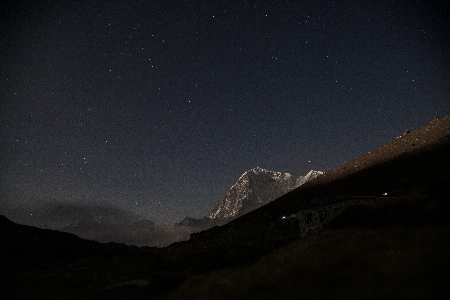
(256,188)
(303,179)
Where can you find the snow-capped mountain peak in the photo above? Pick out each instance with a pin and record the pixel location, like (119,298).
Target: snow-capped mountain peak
(255,188)
(311,175)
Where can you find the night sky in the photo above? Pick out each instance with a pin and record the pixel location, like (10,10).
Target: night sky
(157,107)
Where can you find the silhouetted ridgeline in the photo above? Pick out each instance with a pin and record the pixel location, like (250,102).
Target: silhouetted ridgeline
(389,248)
(31,245)
(412,161)
(376,227)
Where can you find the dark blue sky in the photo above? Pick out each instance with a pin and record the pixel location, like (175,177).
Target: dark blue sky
(158,107)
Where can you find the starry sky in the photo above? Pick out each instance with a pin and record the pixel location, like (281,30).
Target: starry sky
(157,107)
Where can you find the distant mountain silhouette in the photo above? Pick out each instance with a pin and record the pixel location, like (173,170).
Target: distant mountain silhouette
(104,223)
(22,244)
(131,231)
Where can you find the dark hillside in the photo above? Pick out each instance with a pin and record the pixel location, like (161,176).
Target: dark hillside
(391,242)
(29,245)
(36,261)
(393,248)
(382,247)
(410,162)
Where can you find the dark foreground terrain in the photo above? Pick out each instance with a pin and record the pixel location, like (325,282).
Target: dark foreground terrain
(380,248)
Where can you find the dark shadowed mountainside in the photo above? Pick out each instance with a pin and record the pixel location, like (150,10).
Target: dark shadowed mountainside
(392,242)
(22,244)
(412,161)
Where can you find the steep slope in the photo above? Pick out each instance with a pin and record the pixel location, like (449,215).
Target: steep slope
(405,146)
(380,248)
(411,161)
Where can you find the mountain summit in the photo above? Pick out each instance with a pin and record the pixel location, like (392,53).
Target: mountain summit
(254,189)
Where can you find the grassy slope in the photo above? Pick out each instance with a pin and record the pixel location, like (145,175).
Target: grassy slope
(354,257)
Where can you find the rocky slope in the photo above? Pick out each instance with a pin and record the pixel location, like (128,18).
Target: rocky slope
(254,189)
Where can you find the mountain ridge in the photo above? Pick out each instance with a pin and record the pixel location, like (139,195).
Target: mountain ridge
(401,157)
(402,242)
(254,188)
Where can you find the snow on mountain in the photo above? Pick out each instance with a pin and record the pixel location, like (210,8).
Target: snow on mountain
(254,189)
(303,179)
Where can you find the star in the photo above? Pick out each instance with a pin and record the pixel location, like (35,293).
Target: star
(312,104)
